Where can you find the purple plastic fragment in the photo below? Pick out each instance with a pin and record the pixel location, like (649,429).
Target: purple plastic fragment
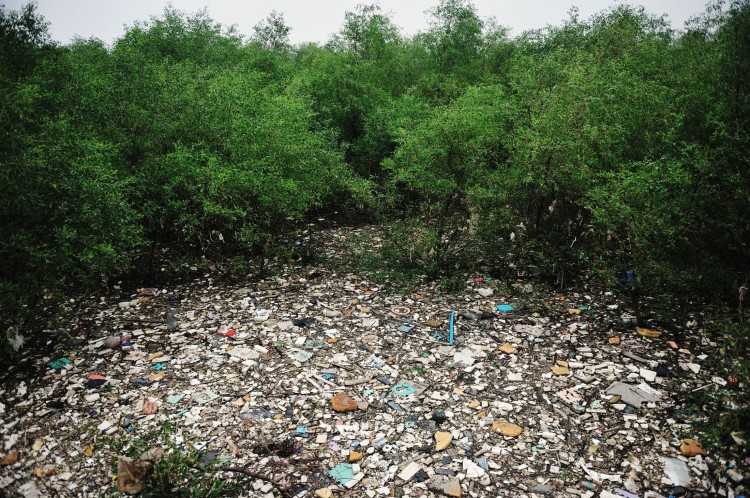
(624,494)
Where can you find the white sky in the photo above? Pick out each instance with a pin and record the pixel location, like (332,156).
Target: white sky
(316,20)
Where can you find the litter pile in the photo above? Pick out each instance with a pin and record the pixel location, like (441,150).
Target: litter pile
(315,383)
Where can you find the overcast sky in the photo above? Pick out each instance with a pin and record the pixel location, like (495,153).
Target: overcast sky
(316,20)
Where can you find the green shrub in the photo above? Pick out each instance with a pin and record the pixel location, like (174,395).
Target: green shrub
(436,174)
(65,222)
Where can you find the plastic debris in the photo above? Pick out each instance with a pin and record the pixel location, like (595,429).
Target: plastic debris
(677,471)
(59,363)
(488,417)
(204,397)
(342,473)
(171,319)
(634,395)
(403,389)
(130,475)
(450,336)
(301,356)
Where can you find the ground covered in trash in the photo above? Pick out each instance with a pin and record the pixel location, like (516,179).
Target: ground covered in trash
(317,382)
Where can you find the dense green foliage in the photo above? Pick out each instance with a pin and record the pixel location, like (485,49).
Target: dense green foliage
(604,144)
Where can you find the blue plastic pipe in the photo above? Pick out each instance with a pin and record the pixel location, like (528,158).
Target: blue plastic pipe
(453,315)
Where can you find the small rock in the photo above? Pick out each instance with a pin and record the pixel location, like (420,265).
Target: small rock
(649,375)
(691,448)
(653,334)
(443,440)
(614,340)
(343,403)
(112,342)
(474,404)
(485,292)
(409,471)
(156,377)
(149,408)
(560,370)
(452,488)
(508,348)
(506,429)
(438,416)
(10,458)
(472,469)
(44,472)
(324,493)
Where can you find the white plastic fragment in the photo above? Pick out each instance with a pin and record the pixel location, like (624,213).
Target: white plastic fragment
(677,471)
(409,471)
(465,356)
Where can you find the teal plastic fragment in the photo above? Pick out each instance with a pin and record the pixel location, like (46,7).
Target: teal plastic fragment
(175,398)
(204,397)
(403,389)
(59,363)
(342,473)
(504,308)
(302,356)
(159,366)
(314,344)
(182,412)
